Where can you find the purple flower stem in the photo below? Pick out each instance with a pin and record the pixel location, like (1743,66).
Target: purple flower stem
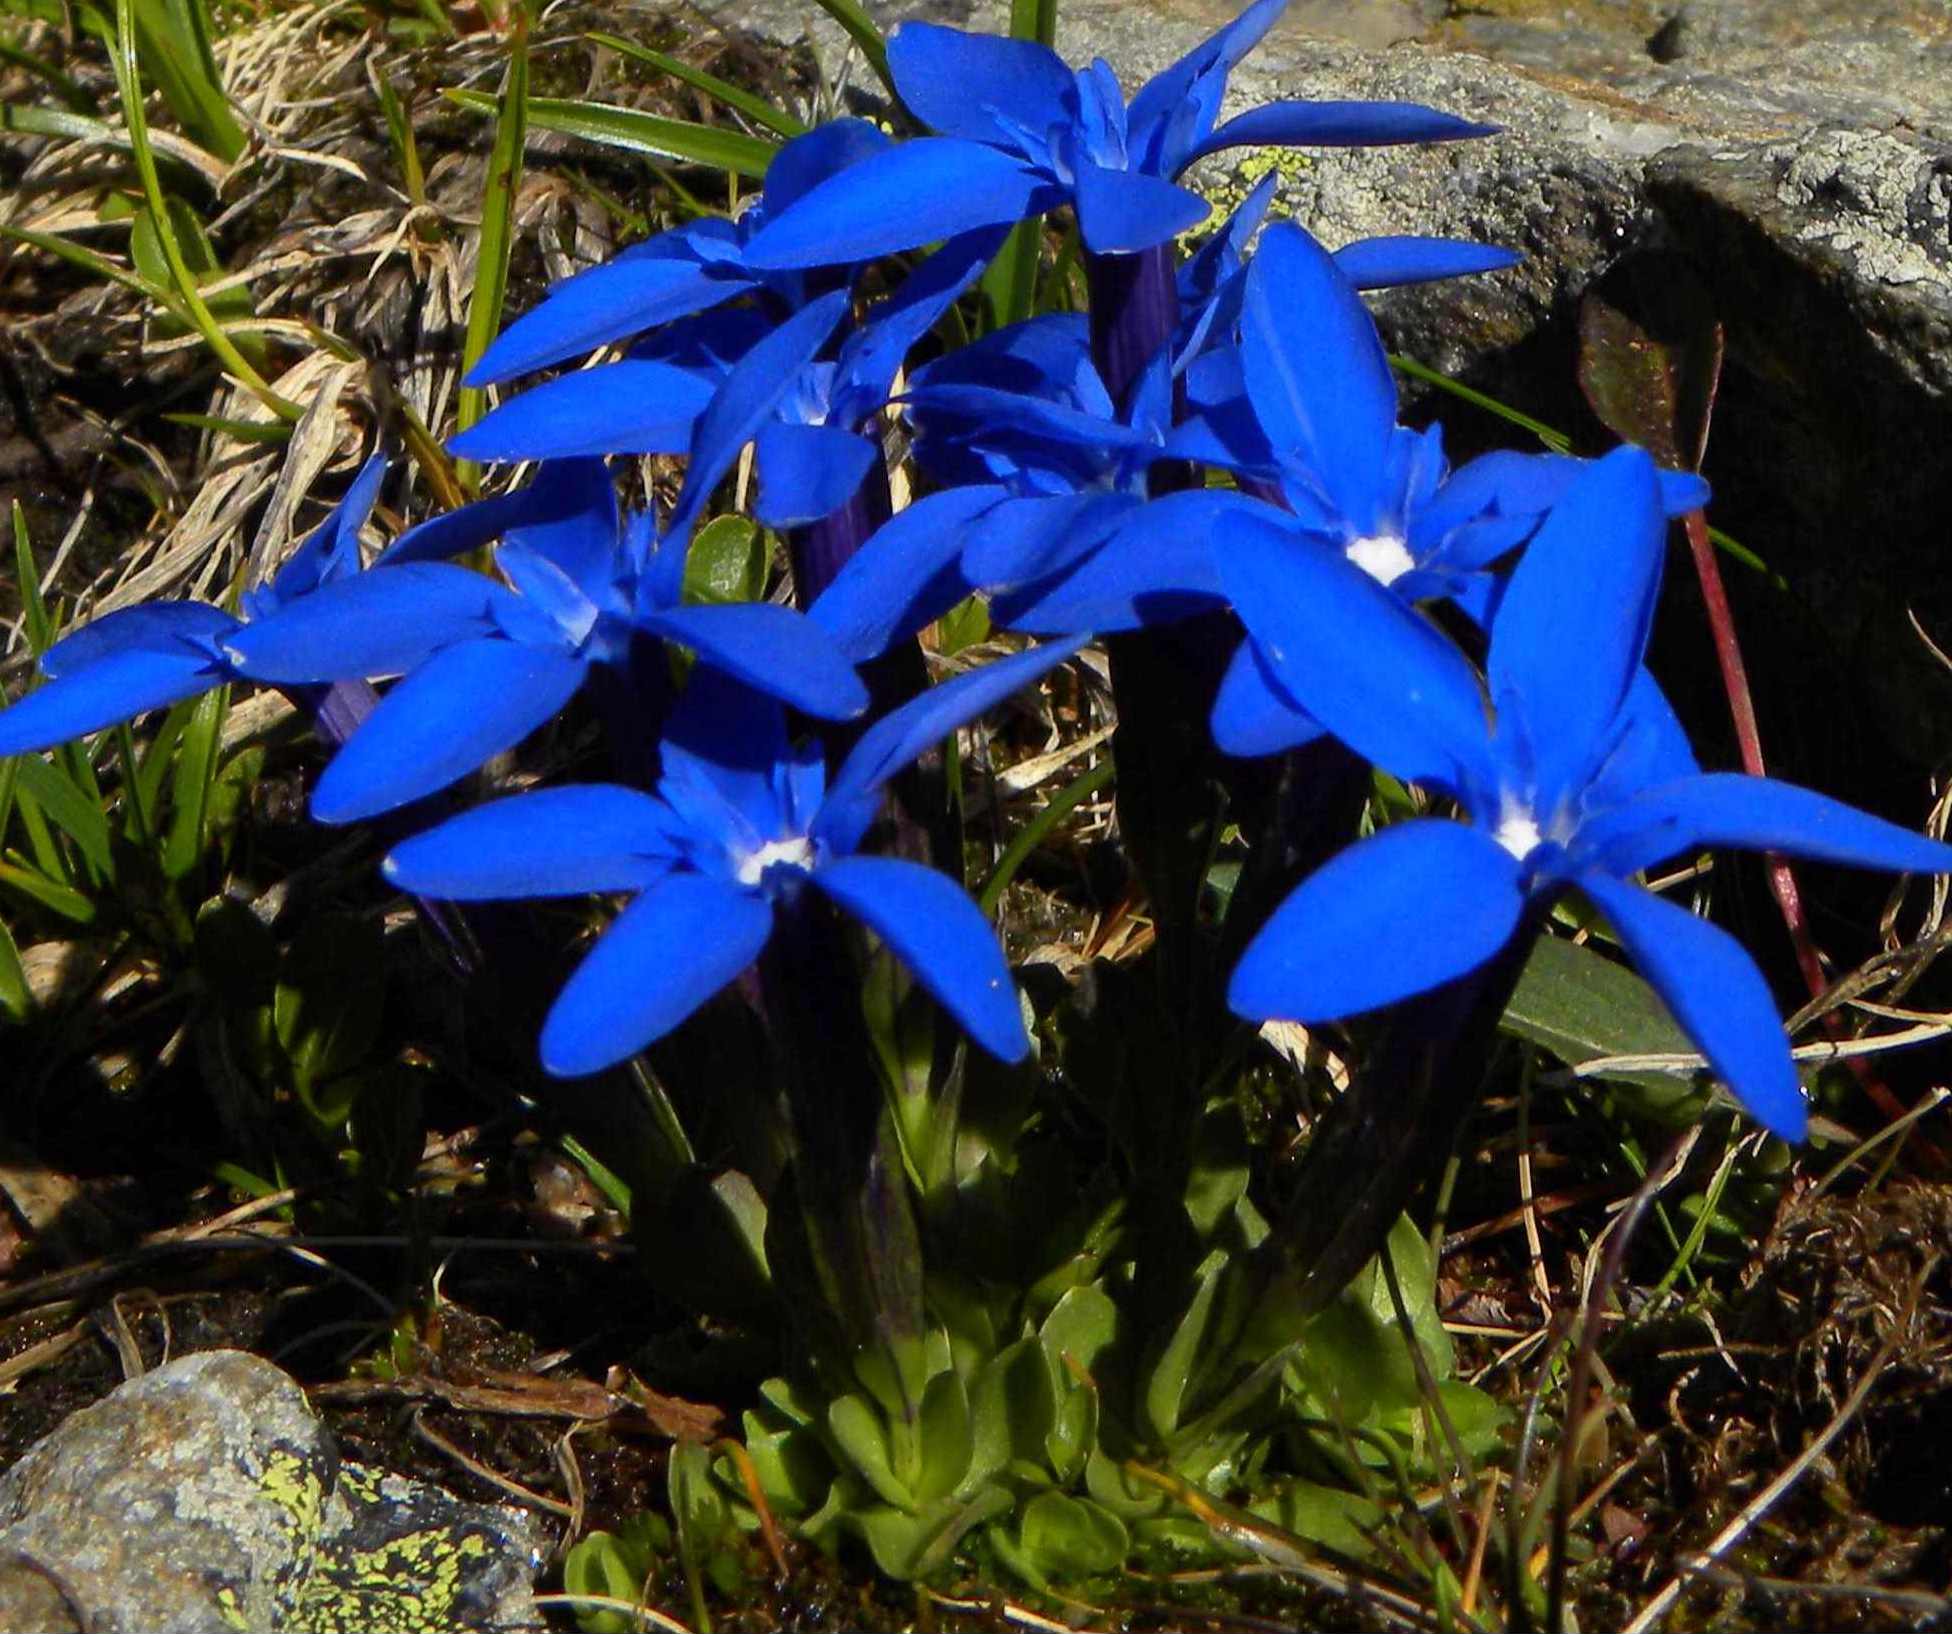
(1134,309)
(1392,1132)
(848,1176)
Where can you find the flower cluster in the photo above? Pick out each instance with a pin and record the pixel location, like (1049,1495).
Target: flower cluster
(1214,437)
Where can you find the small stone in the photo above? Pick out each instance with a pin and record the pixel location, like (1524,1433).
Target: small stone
(206,1496)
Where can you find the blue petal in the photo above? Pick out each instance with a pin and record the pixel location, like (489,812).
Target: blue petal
(723,751)
(743,402)
(1567,639)
(553,842)
(332,552)
(1717,995)
(1754,814)
(1356,658)
(116,687)
(557,510)
(1384,263)
(956,82)
(1338,125)
(1156,566)
(905,576)
(911,195)
(941,935)
(1683,491)
(807,472)
(663,956)
(1252,715)
(872,356)
(1409,909)
(1122,211)
(634,407)
(166,628)
(1653,749)
(463,705)
(998,411)
(603,304)
(1316,370)
(1025,540)
(898,738)
(808,160)
(781,652)
(572,519)
(381,622)
(1176,108)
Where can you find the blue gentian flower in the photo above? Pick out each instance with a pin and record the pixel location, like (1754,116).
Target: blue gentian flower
(676,274)
(485,664)
(1045,471)
(815,441)
(141,658)
(1574,778)
(1021,133)
(742,825)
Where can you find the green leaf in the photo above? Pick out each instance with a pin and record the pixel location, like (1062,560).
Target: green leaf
(861,30)
(1330,1516)
(1034,20)
(1070,1538)
(195,773)
(861,1434)
(71,810)
(173,40)
(128,84)
(947,1437)
(503,180)
(40,628)
(793,1467)
(1167,1384)
(727,562)
(755,108)
(16,998)
(606,1566)
(243,431)
(635,132)
(698,1506)
(400,130)
(70,904)
(1012,1409)
(1580,1005)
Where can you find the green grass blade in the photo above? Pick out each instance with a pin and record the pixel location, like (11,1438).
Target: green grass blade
(156,756)
(400,129)
(243,431)
(99,266)
(196,771)
(645,133)
(755,108)
(1063,803)
(70,91)
(39,626)
(70,809)
(70,904)
(1034,20)
(861,30)
(173,44)
(497,230)
(48,855)
(128,83)
(16,999)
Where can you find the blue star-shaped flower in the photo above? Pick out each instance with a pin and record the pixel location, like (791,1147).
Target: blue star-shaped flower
(679,273)
(740,827)
(1576,777)
(485,664)
(141,658)
(1022,132)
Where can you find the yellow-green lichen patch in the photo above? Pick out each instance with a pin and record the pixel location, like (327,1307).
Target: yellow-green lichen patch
(411,1583)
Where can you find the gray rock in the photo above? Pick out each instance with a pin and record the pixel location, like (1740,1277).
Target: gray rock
(207,1497)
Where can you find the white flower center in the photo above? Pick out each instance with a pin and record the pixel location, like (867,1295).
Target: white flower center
(1383,556)
(797,852)
(1517,830)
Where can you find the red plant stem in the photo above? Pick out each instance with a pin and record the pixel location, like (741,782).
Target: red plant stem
(1748,739)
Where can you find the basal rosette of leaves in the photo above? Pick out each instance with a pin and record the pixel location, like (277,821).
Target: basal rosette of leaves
(1034,1300)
